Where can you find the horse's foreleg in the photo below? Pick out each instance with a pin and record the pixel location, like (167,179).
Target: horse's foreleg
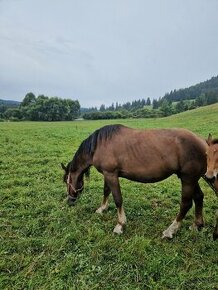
(113,183)
(104,204)
(185,205)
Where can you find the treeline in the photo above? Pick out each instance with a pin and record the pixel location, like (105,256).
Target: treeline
(202,94)
(205,99)
(193,92)
(134,105)
(123,114)
(42,108)
(159,108)
(115,111)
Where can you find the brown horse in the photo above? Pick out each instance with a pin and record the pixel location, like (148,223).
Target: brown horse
(143,156)
(212,170)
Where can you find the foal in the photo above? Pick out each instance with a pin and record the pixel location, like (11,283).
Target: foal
(212,170)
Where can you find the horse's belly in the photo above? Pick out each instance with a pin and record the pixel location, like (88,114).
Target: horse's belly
(146,176)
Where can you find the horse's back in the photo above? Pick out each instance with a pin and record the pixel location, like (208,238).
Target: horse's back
(151,154)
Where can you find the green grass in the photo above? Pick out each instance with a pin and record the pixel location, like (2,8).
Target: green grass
(45,244)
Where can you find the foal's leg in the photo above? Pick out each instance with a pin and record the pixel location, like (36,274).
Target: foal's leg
(104,204)
(185,205)
(198,197)
(113,183)
(215,233)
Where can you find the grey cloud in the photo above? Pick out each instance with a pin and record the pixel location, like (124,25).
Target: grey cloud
(105,51)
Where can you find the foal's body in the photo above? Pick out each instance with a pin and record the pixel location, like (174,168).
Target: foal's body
(212,171)
(144,156)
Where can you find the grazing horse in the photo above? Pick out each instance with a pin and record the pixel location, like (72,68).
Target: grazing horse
(148,155)
(212,170)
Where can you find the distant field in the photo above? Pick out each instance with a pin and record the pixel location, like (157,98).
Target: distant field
(47,245)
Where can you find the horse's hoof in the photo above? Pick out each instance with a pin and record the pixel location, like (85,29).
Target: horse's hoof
(118,229)
(193,227)
(99,210)
(167,235)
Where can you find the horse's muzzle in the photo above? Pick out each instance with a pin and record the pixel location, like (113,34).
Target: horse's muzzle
(210,177)
(71,200)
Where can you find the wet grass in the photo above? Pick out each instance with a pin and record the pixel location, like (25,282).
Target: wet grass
(47,245)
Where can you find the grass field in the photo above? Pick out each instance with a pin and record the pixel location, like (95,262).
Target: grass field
(45,244)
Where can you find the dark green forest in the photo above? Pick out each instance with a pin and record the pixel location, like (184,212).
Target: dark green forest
(44,108)
(176,101)
(193,92)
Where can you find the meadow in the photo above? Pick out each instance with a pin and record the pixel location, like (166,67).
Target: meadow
(45,244)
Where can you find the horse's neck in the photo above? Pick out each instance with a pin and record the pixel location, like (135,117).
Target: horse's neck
(82,163)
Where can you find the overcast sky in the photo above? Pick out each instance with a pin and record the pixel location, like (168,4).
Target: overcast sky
(100,51)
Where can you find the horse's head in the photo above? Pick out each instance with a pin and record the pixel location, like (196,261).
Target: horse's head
(212,161)
(74,182)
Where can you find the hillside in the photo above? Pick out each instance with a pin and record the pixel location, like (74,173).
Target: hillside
(194,91)
(201,120)
(9,103)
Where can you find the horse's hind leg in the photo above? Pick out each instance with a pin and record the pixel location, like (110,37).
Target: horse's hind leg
(113,183)
(198,198)
(104,204)
(185,205)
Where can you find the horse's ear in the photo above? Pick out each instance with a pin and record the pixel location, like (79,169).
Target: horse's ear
(63,167)
(209,139)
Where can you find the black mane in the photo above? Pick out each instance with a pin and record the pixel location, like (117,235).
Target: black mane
(215,141)
(88,146)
